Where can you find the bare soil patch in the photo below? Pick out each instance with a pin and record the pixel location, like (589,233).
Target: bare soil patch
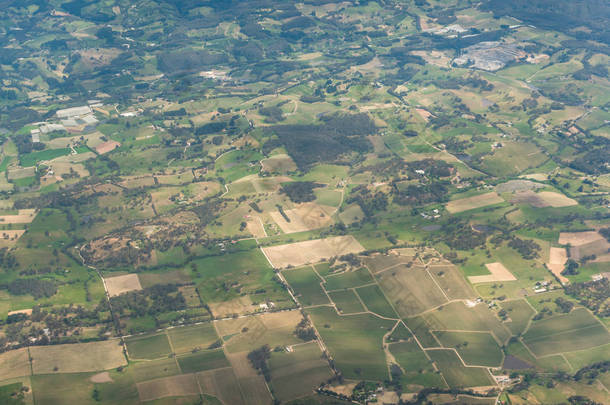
(305,217)
(477,201)
(498,273)
(103,377)
(107,147)
(122,284)
(557,259)
(176,386)
(21,311)
(512,186)
(311,251)
(256,227)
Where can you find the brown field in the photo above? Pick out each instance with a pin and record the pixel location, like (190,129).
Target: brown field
(102,377)
(107,147)
(498,273)
(24,217)
(252,384)
(512,186)
(557,259)
(470,203)
(241,365)
(21,311)
(62,168)
(256,227)
(176,386)
(10,237)
(578,238)
(122,284)
(222,384)
(78,357)
(14,363)
(311,251)
(305,217)
(14,174)
(279,164)
(600,248)
(543,199)
(240,305)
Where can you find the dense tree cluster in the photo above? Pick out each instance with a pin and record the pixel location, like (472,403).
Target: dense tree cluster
(300,191)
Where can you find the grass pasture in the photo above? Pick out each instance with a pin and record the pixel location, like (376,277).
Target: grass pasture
(519,313)
(203,361)
(187,338)
(306,285)
(450,279)
(296,374)
(152,369)
(349,279)
(354,341)
(121,284)
(148,347)
(346,301)
(375,301)
(14,363)
(456,375)
(577,330)
(222,384)
(475,348)
(70,358)
(176,386)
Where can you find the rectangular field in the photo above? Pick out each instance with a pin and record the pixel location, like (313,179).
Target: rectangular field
(148,347)
(185,339)
(203,361)
(122,284)
(475,348)
(222,384)
(14,363)
(176,386)
(470,203)
(306,285)
(311,251)
(346,301)
(71,358)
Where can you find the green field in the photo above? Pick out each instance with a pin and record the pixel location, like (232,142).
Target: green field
(577,330)
(30,159)
(519,312)
(148,347)
(185,339)
(476,349)
(348,279)
(306,284)
(202,361)
(456,375)
(354,342)
(346,301)
(375,301)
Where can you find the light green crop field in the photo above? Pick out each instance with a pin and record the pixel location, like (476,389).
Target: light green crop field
(577,330)
(456,374)
(346,301)
(354,341)
(148,346)
(306,284)
(475,349)
(375,301)
(297,373)
(519,312)
(187,338)
(202,361)
(348,279)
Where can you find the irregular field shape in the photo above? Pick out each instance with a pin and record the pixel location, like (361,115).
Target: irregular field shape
(306,284)
(122,284)
(348,279)
(304,217)
(222,384)
(481,348)
(311,251)
(456,374)
(498,273)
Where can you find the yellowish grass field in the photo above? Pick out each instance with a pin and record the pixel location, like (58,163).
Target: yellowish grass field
(311,251)
(240,305)
(122,284)
(544,199)
(498,273)
(222,384)
(176,386)
(23,217)
(78,357)
(256,227)
(470,203)
(10,237)
(14,363)
(557,260)
(578,238)
(305,217)
(278,164)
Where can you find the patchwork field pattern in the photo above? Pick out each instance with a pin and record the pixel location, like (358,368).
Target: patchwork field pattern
(498,273)
(311,251)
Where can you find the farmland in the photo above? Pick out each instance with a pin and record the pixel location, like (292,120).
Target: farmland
(313,202)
